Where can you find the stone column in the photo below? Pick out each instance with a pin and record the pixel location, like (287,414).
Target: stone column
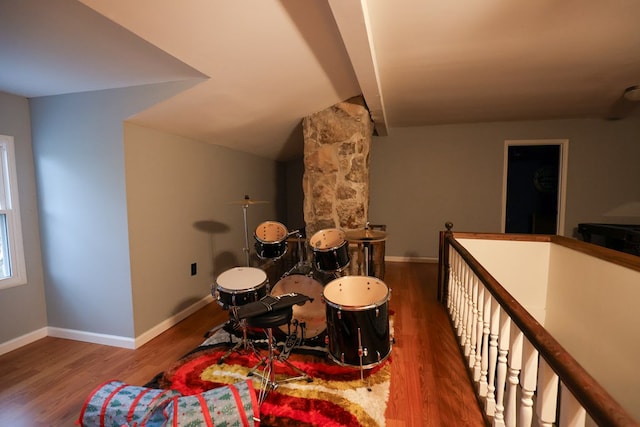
(337,142)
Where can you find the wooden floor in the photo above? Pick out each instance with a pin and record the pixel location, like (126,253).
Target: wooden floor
(45,383)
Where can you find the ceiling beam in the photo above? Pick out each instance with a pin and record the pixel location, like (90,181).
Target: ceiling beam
(352,19)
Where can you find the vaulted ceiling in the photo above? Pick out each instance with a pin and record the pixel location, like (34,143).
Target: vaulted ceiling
(259,66)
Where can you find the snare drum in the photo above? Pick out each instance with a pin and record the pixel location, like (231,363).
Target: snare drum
(357,311)
(240,286)
(330,250)
(271,240)
(312,313)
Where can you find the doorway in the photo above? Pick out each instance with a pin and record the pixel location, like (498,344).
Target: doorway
(533,186)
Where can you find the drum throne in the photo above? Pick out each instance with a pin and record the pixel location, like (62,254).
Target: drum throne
(274,317)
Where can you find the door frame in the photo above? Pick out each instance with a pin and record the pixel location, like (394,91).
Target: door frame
(562,177)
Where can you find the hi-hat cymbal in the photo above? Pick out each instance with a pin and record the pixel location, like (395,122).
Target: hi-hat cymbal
(248,201)
(365,235)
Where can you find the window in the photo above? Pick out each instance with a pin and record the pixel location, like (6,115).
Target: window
(12,265)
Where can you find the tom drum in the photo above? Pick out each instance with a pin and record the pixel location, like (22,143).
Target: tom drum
(271,240)
(357,312)
(330,250)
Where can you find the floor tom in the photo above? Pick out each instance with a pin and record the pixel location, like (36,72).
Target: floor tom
(357,314)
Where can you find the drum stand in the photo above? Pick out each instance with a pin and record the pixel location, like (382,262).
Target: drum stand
(242,346)
(245,205)
(246,229)
(268,375)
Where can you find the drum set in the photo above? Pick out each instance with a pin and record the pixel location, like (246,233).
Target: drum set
(346,316)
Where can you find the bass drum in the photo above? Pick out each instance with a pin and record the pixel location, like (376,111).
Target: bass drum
(311,314)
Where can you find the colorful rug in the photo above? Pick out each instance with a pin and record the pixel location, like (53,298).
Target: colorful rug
(336,397)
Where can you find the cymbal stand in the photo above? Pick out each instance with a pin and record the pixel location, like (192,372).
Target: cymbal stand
(366,252)
(300,257)
(246,228)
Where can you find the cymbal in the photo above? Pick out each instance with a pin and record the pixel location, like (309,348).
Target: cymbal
(248,201)
(365,235)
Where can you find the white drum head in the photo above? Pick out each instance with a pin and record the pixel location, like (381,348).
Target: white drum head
(356,292)
(271,231)
(241,278)
(327,239)
(311,312)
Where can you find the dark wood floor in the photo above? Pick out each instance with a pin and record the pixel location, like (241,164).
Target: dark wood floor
(46,382)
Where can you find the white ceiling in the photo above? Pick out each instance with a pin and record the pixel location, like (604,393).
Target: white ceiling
(263,65)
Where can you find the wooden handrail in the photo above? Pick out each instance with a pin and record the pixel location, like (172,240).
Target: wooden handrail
(598,403)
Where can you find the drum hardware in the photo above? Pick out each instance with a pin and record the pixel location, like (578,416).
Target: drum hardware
(246,202)
(266,314)
(293,340)
(298,234)
(242,346)
(366,237)
(362,352)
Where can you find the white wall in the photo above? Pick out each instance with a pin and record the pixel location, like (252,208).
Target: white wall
(79,159)
(522,268)
(22,308)
(592,310)
(117,248)
(423,177)
(179,195)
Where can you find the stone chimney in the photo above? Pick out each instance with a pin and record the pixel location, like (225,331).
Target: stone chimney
(337,142)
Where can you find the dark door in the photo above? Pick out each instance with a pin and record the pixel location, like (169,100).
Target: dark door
(532,189)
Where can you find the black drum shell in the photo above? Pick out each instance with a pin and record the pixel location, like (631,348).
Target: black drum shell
(333,259)
(270,250)
(271,240)
(342,334)
(241,285)
(233,298)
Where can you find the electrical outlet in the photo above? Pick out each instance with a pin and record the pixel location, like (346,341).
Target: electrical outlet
(194,269)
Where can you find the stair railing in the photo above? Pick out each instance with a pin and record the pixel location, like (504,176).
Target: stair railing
(522,375)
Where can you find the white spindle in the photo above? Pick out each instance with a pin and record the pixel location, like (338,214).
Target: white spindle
(546,401)
(453,287)
(477,365)
(464,309)
(513,378)
(493,357)
(484,359)
(459,295)
(501,370)
(473,321)
(572,414)
(529,376)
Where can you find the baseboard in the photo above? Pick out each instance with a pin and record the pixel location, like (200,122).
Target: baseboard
(173,320)
(18,342)
(92,337)
(104,339)
(410,259)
